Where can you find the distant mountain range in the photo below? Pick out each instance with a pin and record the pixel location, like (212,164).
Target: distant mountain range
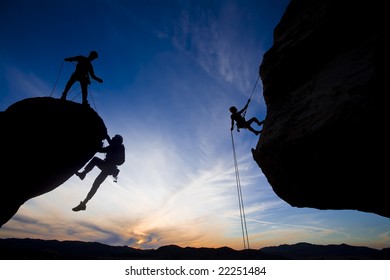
(36,249)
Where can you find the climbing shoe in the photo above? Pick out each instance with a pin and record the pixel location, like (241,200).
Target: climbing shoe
(81,175)
(80,207)
(115,175)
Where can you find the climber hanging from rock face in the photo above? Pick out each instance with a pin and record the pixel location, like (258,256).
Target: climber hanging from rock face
(115,155)
(84,70)
(238,118)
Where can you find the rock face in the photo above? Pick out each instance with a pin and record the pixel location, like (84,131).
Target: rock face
(44,141)
(324,142)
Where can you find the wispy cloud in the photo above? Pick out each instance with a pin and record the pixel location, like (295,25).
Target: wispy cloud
(26,84)
(214,40)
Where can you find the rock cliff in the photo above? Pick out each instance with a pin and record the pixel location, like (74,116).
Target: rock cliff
(324,142)
(44,141)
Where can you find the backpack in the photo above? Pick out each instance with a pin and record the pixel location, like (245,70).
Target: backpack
(115,154)
(120,155)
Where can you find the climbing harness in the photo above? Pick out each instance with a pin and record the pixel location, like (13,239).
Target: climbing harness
(244,227)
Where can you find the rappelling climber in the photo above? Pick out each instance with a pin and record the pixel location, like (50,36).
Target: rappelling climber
(237,116)
(84,70)
(115,155)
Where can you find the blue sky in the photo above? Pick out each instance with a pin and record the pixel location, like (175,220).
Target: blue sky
(171,70)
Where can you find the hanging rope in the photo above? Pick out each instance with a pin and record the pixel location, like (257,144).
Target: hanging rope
(244,228)
(250,96)
(58,76)
(254,87)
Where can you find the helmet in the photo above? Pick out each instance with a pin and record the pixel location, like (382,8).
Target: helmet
(117,139)
(93,54)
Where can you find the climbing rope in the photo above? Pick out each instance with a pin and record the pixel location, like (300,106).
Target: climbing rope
(244,228)
(93,101)
(58,76)
(250,96)
(90,94)
(254,87)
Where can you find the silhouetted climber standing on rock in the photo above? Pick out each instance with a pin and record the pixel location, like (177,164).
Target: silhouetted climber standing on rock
(84,70)
(237,116)
(115,155)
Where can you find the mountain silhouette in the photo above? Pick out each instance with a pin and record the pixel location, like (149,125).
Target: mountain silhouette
(307,251)
(36,249)
(45,141)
